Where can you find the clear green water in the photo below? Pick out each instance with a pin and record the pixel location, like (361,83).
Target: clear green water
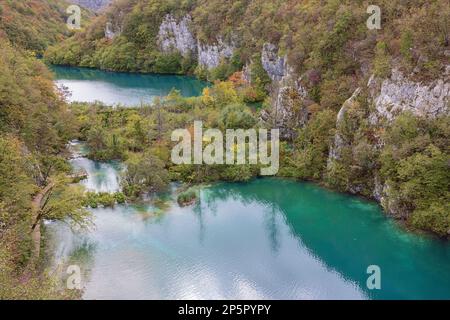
(267,239)
(128,89)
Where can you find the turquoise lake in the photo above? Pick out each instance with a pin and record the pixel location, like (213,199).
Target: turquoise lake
(127,89)
(266,239)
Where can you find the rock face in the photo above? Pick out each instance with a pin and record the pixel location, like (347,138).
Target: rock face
(396,95)
(210,56)
(176,36)
(378,190)
(275,66)
(390,98)
(290,113)
(399,94)
(114,26)
(94,5)
(112,31)
(288,95)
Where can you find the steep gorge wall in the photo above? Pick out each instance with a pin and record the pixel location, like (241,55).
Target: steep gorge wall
(395,95)
(176,35)
(389,98)
(399,94)
(287,93)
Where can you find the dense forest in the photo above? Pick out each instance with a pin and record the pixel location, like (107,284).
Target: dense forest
(35,126)
(325,43)
(33,25)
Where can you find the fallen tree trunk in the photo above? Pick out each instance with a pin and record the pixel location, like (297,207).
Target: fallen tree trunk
(37,204)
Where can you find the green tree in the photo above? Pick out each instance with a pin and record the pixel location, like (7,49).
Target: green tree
(382,67)
(144,173)
(236,116)
(312,146)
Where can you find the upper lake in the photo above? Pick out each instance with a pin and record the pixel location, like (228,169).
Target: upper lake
(128,89)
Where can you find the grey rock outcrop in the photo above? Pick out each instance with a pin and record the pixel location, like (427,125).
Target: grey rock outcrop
(399,94)
(247,72)
(176,36)
(114,24)
(391,97)
(210,56)
(275,66)
(112,30)
(288,113)
(288,110)
(378,192)
(395,95)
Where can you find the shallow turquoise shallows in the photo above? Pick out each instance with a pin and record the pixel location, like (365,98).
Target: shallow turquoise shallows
(128,89)
(267,239)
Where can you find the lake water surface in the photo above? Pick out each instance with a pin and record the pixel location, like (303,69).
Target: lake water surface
(266,239)
(128,89)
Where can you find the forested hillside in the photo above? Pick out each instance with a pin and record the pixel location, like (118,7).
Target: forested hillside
(33,24)
(35,126)
(327,38)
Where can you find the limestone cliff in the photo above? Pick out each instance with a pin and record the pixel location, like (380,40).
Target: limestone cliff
(176,36)
(275,66)
(398,94)
(114,24)
(210,56)
(339,141)
(288,96)
(389,98)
